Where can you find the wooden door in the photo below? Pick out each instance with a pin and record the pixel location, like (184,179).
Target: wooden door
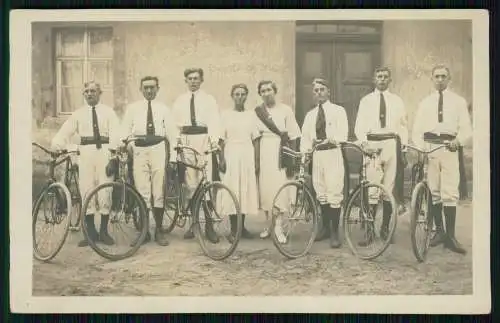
(354,64)
(314,59)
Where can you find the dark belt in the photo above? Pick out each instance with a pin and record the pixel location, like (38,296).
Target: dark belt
(328,146)
(85,141)
(434,138)
(148,141)
(399,180)
(194,130)
(381,136)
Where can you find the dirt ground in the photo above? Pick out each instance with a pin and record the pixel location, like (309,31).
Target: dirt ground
(257,268)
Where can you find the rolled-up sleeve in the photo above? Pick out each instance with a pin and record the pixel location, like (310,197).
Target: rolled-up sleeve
(341,130)
(403,123)
(362,125)
(67,130)
(292,127)
(464,123)
(306,138)
(171,132)
(418,130)
(115,132)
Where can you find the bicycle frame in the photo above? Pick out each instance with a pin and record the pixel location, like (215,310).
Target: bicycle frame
(424,158)
(184,211)
(56,160)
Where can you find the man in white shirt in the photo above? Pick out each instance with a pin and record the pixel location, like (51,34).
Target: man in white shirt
(152,122)
(198,120)
(383,112)
(97,126)
(325,126)
(444,115)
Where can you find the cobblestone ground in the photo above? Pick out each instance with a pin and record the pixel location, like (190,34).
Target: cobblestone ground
(257,268)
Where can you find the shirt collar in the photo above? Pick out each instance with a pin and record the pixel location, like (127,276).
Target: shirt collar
(377,91)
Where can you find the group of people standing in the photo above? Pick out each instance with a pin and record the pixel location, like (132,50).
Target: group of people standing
(251,162)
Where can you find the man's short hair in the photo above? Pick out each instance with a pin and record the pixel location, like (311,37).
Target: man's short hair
(190,70)
(322,81)
(87,84)
(440,66)
(150,78)
(382,69)
(264,82)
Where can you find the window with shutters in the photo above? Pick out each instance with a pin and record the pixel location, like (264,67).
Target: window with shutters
(83,54)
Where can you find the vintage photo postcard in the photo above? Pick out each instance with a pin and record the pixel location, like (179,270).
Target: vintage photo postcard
(300,161)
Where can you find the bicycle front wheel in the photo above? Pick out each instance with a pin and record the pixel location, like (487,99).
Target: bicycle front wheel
(121,231)
(421,221)
(294,220)
(217,220)
(368,228)
(51,215)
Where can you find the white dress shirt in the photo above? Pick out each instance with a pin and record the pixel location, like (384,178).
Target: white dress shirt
(369,111)
(80,123)
(337,127)
(206,112)
(136,115)
(456,119)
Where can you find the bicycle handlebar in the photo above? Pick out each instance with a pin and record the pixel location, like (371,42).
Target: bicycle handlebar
(55,154)
(427,151)
(360,148)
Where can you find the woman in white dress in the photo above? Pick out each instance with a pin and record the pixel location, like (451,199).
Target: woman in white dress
(277,126)
(240,129)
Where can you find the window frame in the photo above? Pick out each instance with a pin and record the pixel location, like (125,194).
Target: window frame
(86,59)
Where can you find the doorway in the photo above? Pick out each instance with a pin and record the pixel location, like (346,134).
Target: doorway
(345,53)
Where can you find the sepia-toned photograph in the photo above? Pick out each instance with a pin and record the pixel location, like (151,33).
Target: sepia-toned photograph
(297,156)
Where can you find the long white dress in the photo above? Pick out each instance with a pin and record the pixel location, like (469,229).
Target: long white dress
(240,129)
(271,177)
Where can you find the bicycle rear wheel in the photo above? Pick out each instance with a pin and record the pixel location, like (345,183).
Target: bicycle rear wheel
(294,203)
(360,227)
(420,217)
(51,209)
(216,206)
(127,223)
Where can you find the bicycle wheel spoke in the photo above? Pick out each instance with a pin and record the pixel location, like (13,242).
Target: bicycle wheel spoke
(51,221)
(368,222)
(217,221)
(293,209)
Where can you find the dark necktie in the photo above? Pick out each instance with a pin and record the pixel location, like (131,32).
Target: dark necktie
(440,107)
(321,123)
(95,128)
(150,126)
(382,112)
(193,114)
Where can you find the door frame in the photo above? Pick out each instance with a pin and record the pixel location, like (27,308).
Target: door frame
(332,39)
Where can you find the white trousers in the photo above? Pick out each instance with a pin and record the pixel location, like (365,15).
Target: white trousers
(382,169)
(92,172)
(444,177)
(328,176)
(149,173)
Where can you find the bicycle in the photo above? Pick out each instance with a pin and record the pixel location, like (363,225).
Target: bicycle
(202,205)
(303,204)
(126,204)
(63,196)
(364,211)
(421,197)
